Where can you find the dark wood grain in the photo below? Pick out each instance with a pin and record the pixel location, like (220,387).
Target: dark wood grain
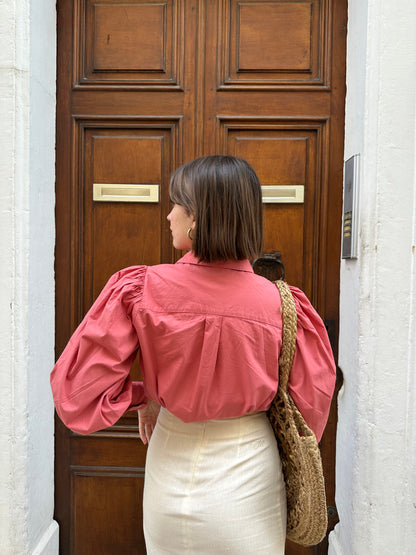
(144,86)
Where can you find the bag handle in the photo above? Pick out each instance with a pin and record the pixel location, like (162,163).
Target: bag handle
(289,319)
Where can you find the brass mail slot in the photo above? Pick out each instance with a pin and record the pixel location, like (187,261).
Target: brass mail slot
(125,192)
(282,193)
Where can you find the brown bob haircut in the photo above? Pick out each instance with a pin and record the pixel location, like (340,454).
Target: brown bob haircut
(223,193)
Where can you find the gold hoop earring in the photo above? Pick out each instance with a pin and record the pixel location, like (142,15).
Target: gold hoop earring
(189,233)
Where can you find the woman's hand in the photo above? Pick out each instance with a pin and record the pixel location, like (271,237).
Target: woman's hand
(147,420)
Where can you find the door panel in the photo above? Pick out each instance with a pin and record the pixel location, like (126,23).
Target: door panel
(271,44)
(143,86)
(283,154)
(103,522)
(120,232)
(130,43)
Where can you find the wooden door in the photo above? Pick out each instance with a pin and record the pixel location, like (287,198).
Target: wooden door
(143,86)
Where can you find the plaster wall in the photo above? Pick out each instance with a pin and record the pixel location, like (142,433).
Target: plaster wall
(27,111)
(375,469)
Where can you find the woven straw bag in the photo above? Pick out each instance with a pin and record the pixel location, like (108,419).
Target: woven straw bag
(307,519)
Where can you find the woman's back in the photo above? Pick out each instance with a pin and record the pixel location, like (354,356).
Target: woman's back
(210,337)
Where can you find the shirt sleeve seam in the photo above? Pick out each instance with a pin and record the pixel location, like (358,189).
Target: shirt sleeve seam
(82,388)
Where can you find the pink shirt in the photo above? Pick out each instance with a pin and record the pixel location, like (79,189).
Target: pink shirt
(209,337)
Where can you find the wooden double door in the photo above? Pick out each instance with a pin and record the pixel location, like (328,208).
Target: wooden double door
(144,86)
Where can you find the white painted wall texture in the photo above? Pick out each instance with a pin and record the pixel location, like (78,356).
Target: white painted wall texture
(27,112)
(376,448)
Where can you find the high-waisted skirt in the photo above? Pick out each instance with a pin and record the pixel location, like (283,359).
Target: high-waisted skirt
(214,488)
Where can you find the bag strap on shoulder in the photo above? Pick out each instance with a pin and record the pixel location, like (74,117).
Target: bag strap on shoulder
(289,318)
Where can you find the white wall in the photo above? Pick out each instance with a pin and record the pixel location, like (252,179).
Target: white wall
(376,447)
(27,112)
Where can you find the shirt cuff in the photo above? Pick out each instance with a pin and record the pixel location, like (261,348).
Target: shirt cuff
(138,399)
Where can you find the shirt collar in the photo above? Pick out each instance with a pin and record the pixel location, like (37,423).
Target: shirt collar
(240,265)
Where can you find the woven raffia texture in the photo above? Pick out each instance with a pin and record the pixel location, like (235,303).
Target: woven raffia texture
(299,451)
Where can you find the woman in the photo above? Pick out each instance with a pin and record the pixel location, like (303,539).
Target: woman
(209,333)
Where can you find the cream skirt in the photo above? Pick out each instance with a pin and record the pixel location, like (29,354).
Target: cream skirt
(214,488)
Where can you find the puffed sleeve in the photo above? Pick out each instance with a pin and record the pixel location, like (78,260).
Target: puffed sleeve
(312,377)
(90,382)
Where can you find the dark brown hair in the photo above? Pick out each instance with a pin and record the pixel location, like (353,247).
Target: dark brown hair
(223,193)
